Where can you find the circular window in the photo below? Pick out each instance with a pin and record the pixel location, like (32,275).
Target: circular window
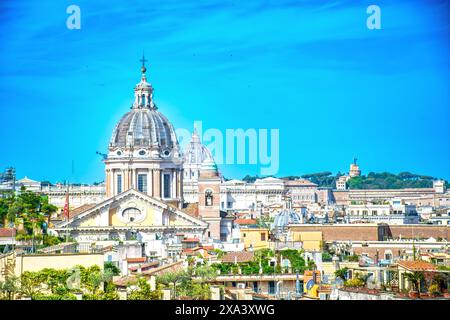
(131,214)
(142,152)
(119,153)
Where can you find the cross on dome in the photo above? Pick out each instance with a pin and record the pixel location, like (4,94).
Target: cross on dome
(143,60)
(143,91)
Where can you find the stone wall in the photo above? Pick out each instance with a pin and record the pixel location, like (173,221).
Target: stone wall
(342,294)
(369,232)
(374,232)
(420,231)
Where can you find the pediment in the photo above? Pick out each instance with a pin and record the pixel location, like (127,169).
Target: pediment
(132,209)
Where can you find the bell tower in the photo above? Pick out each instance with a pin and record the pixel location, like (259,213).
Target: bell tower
(209,197)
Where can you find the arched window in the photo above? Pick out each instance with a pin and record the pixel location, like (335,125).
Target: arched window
(131,214)
(209,198)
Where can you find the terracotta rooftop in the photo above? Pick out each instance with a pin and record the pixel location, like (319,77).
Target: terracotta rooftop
(417,265)
(79,210)
(145,266)
(190,240)
(125,281)
(191,209)
(245,221)
(243,256)
(172,267)
(7,232)
(136,260)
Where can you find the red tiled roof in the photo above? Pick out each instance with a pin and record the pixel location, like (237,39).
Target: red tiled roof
(172,267)
(191,209)
(7,232)
(79,210)
(136,260)
(417,265)
(245,221)
(125,281)
(243,256)
(190,240)
(145,266)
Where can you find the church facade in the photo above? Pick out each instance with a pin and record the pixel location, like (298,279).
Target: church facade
(144,185)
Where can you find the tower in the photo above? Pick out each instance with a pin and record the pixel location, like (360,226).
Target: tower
(193,157)
(143,152)
(354,169)
(209,197)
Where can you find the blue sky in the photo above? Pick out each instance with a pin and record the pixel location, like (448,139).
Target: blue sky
(312,69)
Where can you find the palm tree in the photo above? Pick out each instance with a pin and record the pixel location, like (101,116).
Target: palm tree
(173,278)
(341,273)
(415,278)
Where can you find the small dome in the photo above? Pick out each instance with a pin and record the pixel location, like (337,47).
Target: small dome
(209,165)
(196,152)
(285,218)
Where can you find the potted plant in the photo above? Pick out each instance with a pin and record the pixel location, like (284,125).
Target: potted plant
(414,278)
(433,290)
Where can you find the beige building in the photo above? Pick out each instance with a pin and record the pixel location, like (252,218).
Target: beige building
(133,215)
(20,263)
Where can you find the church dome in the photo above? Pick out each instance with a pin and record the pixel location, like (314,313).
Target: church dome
(285,218)
(196,152)
(209,165)
(144,128)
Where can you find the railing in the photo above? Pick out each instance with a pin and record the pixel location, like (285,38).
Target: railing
(63,248)
(97,189)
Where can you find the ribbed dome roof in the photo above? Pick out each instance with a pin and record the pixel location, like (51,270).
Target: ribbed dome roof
(285,218)
(144,126)
(196,152)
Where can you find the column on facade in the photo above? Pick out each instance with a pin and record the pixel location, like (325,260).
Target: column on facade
(157,183)
(180,185)
(151,182)
(173,185)
(108,182)
(124,173)
(179,176)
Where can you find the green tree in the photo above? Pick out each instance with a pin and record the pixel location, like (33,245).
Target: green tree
(9,288)
(173,279)
(415,278)
(143,291)
(341,273)
(111,268)
(31,283)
